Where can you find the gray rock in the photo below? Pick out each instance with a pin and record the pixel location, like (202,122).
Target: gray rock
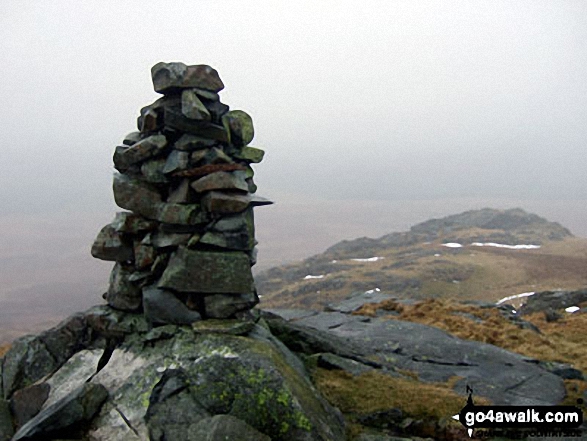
(223,306)
(192,107)
(163,307)
(122,293)
(189,143)
(181,214)
(167,240)
(500,375)
(132,138)
(110,245)
(138,152)
(77,407)
(227,272)
(240,127)
(225,427)
(171,77)
(144,253)
(6,427)
(234,223)
(225,203)
(177,160)
(543,301)
(334,362)
(136,196)
(356,300)
(291,314)
(231,181)
(149,121)
(26,403)
(240,241)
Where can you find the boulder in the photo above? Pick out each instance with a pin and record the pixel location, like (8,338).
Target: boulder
(110,245)
(172,77)
(239,125)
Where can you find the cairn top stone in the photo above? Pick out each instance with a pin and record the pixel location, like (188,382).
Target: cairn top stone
(175,76)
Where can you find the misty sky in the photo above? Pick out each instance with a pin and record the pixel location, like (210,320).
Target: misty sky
(381,100)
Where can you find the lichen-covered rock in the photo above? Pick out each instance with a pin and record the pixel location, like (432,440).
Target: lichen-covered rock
(239,125)
(227,305)
(163,307)
(232,181)
(142,150)
(224,427)
(192,107)
(171,77)
(208,272)
(122,293)
(136,196)
(110,245)
(250,154)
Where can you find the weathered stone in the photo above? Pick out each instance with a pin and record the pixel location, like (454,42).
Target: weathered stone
(171,77)
(6,427)
(244,221)
(217,156)
(136,196)
(110,245)
(132,138)
(176,161)
(149,121)
(122,294)
(192,142)
(153,171)
(252,186)
(250,154)
(127,222)
(225,427)
(241,240)
(230,327)
(225,203)
(208,272)
(198,156)
(217,110)
(181,194)
(239,125)
(221,181)
(207,95)
(192,107)
(120,163)
(166,240)
(78,406)
(163,307)
(27,402)
(140,151)
(222,306)
(175,120)
(183,214)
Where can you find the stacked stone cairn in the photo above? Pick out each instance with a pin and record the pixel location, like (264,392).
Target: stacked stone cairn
(185,248)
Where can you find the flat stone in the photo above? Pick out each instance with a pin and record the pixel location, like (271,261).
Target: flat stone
(222,306)
(127,222)
(239,125)
(163,307)
(181,214)
(250,154)
(140,151)
(192,107)
(175,120)
(240,240)
(244,221)
(181,194)
(122,294)
(171,77)
(176,161)
(208,272)
(221,181)
(110,245)
(136,196)
(79,406)
(192,142)
(27,402)
(230,327)
(167,240)
(217,156)
(207,94)
(225,203)
(204,170)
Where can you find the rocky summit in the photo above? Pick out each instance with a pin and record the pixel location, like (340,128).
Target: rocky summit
(185,248)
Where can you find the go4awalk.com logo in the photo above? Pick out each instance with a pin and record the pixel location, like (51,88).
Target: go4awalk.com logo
(541,418)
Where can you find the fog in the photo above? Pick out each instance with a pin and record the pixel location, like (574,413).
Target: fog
(374,102)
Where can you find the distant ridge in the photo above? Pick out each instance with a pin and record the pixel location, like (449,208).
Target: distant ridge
(527,253)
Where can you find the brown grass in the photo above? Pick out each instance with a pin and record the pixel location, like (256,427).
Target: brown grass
(4,349)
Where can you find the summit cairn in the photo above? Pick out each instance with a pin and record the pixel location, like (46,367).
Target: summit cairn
(185,247)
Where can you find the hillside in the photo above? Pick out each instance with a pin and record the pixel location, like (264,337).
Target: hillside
(477,255)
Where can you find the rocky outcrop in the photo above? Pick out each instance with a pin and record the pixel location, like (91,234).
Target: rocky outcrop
(127,381)
(547,301)
(184,250)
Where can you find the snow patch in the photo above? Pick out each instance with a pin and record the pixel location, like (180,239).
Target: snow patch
(572,309)
(369,259)
(509,247)
(371,291)
(308,277)
(452,245)
(517,296)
